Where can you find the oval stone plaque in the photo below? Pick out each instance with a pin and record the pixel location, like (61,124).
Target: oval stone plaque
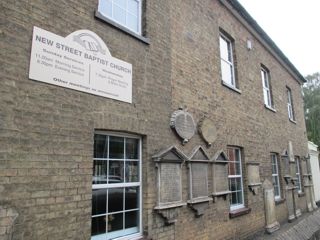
(183,123)
(208,131)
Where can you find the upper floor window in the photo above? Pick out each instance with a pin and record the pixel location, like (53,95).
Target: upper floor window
(116,186)
(275,175)
(235,178)
(290,105)
(124,12)
(265,76)
(227,61)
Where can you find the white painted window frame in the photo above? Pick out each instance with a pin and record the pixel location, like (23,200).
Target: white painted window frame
(275,162)
(241,205)
(139,17)
(230,63)
(266,88)
(117,185)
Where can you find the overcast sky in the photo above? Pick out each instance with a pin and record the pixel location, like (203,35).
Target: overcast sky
(294,25)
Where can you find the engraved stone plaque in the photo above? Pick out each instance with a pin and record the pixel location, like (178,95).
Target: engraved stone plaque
(220,174)
(183,123)
(170,182)
(199,174)
(220,178)
(207,130)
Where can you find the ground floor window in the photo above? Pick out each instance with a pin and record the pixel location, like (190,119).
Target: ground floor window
(275,176)
(116,186)
(235,178)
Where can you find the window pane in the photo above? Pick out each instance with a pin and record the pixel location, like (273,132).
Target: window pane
(232,184)
(132,173)
(233,198)
(119,14)
(232,168)
(131,198)
(116,172)
(115,200)
(226,71)
(105,7)
(99,172)
(132,22)
(231,154)
(224,49)
(132,219)
(99,201)
(98,225)
(116,149)
(133,6)
(121,3)
(132,148)
(100,146)
(115,222)
(239,197)
(237,155)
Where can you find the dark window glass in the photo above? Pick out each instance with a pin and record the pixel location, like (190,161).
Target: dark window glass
(132,148)
(132,219)
(115,222)
(99,200)
(131,198)
(132,171)
(99,172)
(116,148)
(98,225)
(100,146)
(116,172)
(115,201)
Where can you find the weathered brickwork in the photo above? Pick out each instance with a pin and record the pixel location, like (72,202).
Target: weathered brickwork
(46,132)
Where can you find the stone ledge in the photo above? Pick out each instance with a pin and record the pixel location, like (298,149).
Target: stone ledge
(239,212)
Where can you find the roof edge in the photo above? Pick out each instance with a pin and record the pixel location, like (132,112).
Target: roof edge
(263,37)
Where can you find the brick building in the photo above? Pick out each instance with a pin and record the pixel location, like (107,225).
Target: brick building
(77,165)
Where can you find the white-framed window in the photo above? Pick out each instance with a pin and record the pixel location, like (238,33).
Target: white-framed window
(275,176)
(266,87)
(290,104)
(227,61)
(298,174)
(124,12)
(116,187)
(235,178)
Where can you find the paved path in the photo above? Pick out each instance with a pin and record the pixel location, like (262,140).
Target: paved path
(305,228)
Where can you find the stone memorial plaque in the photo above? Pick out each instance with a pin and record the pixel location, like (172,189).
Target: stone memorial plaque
(170,183)
(184,125)
(253,174)
(221,178)
(208,131)
(199,174)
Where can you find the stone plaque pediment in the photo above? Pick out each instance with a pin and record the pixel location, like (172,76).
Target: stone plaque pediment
(171,154)
(220,157)
(199,154)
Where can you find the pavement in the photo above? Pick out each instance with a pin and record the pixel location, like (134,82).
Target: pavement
(306,227)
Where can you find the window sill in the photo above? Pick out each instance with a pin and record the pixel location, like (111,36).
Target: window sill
(239,212)
(270,108)
(279,201)
(231,87)
(293,121)
(301,194)
(122,28)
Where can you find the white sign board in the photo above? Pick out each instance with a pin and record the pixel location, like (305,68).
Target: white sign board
(82,62)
